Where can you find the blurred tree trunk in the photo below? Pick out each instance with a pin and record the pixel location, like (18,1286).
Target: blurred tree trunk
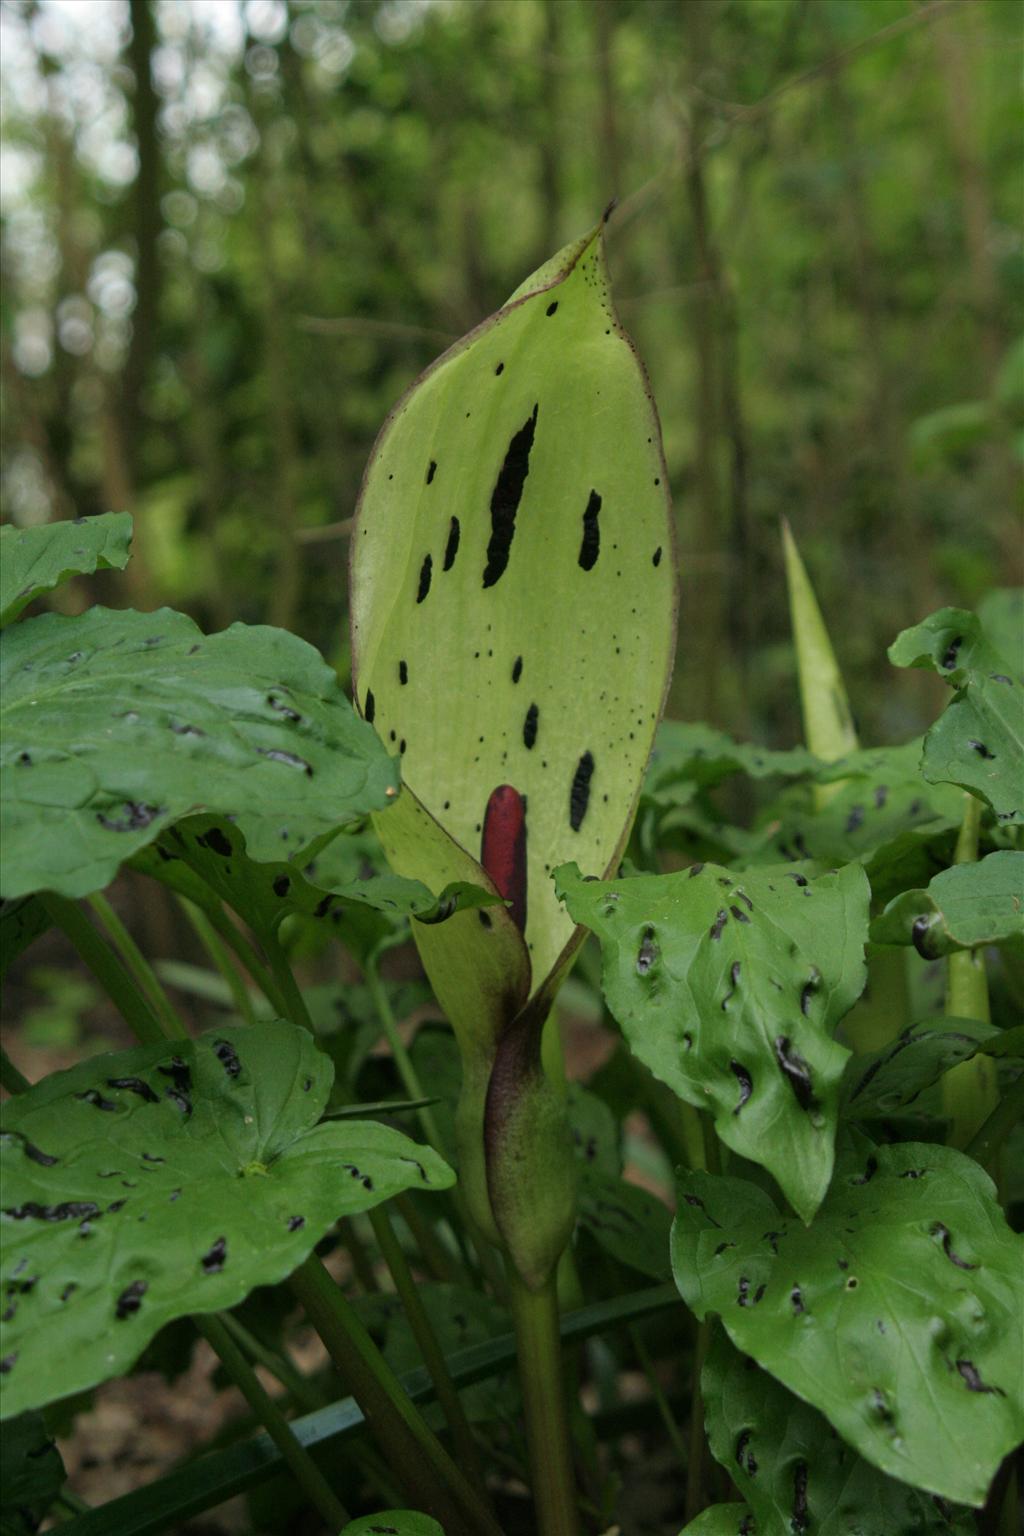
(551,132)
(956,44)
(703,606)
(610,183)
(123,414)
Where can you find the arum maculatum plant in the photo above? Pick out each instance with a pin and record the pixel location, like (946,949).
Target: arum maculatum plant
(513,626)
(812,1009)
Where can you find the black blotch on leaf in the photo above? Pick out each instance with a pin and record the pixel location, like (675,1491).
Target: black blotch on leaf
(719,923)
(745,1081)
(801,1517)
(370,707)
(739,914)
(451,549)
(590,547)
(136,817)
(431,470)
(855,818)
(130,1299)
(647,955)
(517,669)
(797,1071)
(288,758)
(551,307)
(95,1098)
(403,672)
(134,1085)
(283,709)
(942,1232)
(426,570)
(216,842)
(656,557)
(870,1169)
(797,1300)
(282,885)
(579,793)
(745,1458)
(949,658)
(213,1262)
(530,727)
(295,1223)
(922,939)
(228,1057)
(67,1210)
(505,499)
(969,1371)
(981,749)
(44,1159)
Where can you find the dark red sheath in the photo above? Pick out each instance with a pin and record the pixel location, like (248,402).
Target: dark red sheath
(503,848)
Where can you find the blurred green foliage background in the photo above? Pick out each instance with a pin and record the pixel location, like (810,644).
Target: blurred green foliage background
(233,233)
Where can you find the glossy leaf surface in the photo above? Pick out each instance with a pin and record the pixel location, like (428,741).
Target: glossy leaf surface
(978,740)
(896,1313)
(35,560)
(169,1179)
(794,1473)
(728,987)
(115,725)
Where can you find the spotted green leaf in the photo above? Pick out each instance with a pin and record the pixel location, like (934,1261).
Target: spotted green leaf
(795,1475)
(394,1522)
(150,1183)
(115,725)
(978,740)
(35,560)
(878,1083)
(878,811)
(897,1313)
(688,754)
(628,1222)
(729,987)
(962,907)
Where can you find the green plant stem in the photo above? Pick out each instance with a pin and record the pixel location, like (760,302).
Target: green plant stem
(10,1078)
(668,1418)
(221,956)
(538,1346)
(304,1393)
(425,1470)
(362,1264)
(105,966)
(442,1265)
(986,1142)
(428,1124)
(295,1003)
(240,946)
(696,1461)
(403,1061)
(970,1091)
(430,1349)
(693,1136)
(138,967)
(305,1471)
